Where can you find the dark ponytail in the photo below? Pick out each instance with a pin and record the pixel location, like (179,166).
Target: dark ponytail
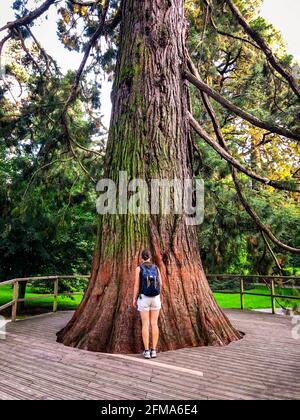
(146,254)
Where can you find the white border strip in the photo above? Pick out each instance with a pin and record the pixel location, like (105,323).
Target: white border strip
(151,363)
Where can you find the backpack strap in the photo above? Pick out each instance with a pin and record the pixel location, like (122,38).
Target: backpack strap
(140,289)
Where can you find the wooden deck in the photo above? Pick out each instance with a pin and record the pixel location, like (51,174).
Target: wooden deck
(264,365)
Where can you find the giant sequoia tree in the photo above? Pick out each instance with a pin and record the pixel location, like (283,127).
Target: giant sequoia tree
(151,135)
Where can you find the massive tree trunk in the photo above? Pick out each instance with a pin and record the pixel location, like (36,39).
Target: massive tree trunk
(149,138)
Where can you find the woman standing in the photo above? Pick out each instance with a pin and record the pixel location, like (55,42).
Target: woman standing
(146,298)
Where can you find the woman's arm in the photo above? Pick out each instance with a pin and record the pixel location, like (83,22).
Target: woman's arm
(160,278)
(136,286)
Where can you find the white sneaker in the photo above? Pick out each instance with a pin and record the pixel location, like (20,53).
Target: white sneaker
(147,354)
(153,353)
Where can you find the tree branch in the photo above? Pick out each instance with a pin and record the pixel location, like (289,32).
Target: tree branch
(46,56)
(272,252)
(238,186)
(3,41)
(234,162)
(238,111)
(223,33)
(237,38)
(94,152)
(90,45)
(84,3)
(26,20)
(257,220)
(40,169)
(223,149)
(265,48)
(114,21)
(71,148)
(81,165)
(26,50)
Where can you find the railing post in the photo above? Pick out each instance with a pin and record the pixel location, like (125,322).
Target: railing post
(242,293)
(15,302)
(273,297)
(55,295)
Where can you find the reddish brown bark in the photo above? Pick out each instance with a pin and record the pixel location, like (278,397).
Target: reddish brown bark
(149,138)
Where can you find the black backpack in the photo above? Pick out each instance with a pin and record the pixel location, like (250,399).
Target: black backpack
(149,280)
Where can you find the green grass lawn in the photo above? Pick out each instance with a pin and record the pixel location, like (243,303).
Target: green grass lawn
(256,302)
(224,300)
(64,303)
(251,302)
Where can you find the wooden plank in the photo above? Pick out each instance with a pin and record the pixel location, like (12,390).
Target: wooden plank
(67,383)
(244,370)
(55,295)
(117,369)
(13,281)
(83,368)
(254,276)
(35,297)
(242,294)
(273,294)
(15,302)
(7,305)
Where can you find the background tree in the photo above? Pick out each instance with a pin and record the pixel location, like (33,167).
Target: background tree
(235,66)
(47,205)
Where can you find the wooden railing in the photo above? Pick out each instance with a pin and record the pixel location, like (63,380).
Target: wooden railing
(259,280)
(15,283)
(271,280)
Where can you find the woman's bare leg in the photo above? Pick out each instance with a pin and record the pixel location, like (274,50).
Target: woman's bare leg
(154,326)
(145,328)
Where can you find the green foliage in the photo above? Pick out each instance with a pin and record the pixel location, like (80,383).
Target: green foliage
(51,229)
(229,240)
(47,204)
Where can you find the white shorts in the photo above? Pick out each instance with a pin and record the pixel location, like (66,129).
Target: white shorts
(147,303)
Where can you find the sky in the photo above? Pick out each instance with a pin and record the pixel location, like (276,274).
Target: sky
(284,14)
